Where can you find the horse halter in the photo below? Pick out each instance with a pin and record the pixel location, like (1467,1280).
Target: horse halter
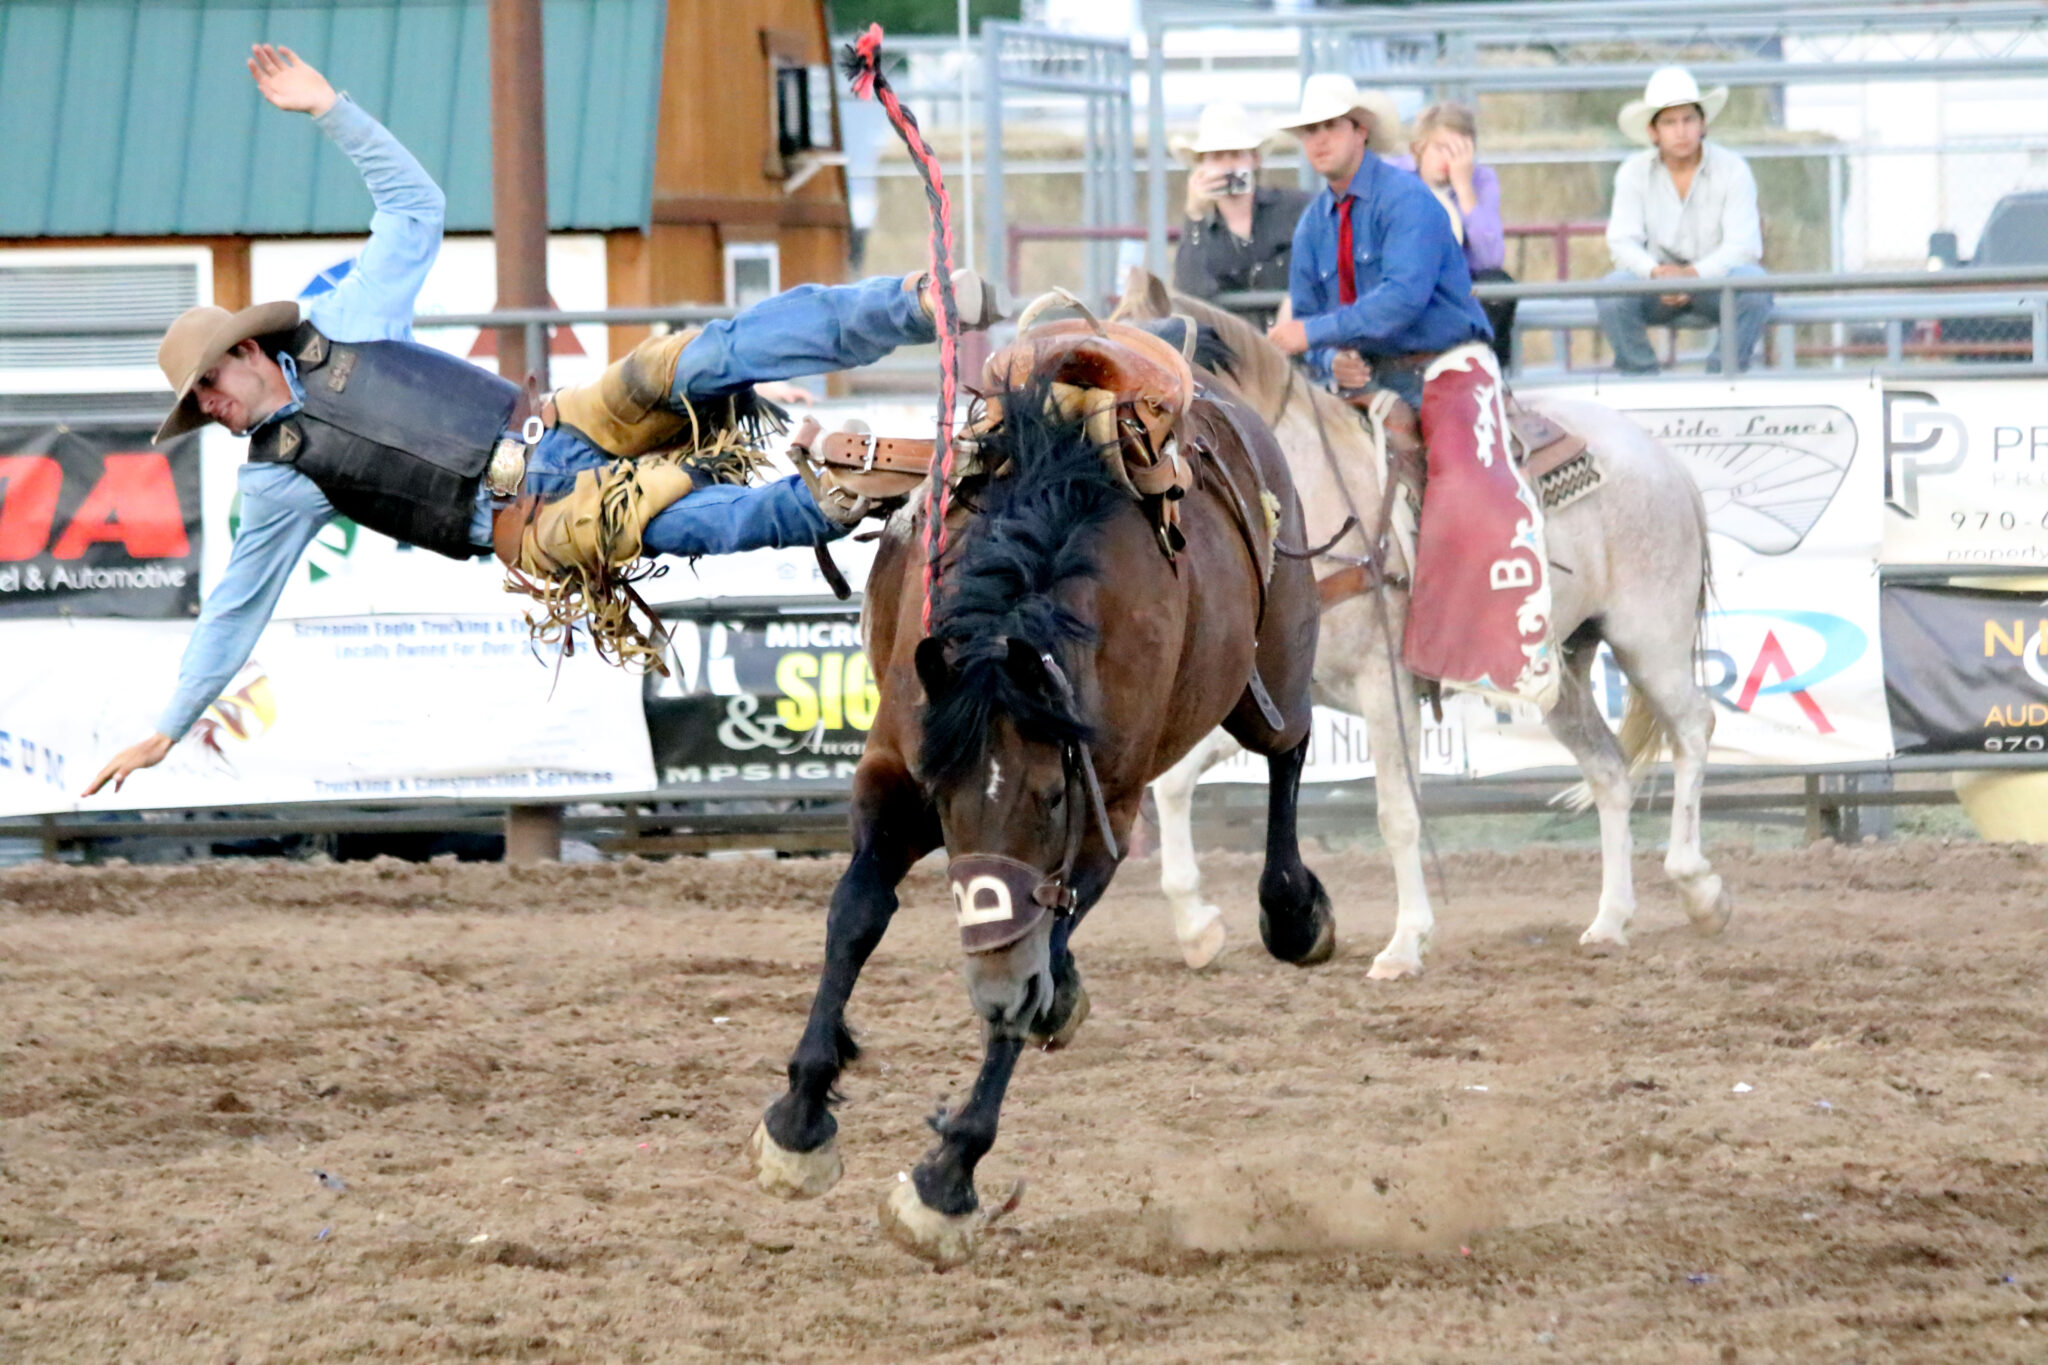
(999,899)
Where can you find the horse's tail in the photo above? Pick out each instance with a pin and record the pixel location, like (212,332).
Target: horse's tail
(1643,738)
(1699,629)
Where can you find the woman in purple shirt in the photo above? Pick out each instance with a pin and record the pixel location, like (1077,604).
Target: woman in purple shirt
(1443,147)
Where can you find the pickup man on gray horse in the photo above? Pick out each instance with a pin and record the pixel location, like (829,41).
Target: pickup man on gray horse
(1381,295)
(347,416)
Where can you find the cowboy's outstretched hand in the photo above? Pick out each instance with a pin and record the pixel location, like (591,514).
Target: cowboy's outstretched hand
(289,83)
(147,754)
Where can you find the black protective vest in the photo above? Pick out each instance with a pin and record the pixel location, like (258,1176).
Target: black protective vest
(395,434)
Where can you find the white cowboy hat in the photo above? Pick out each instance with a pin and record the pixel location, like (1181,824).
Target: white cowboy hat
(1224,127)
(1331,94)
(1669,87)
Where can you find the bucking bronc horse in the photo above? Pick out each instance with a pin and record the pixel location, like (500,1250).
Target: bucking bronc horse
(1109,593)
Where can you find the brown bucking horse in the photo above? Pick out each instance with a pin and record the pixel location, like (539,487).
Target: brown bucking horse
(1084,635)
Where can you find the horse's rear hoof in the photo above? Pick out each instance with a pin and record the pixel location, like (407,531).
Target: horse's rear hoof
(1062,1019)
(946,1240)
(1305,944)
(793,1175)
(1063,1033)
(1715,907)
(1207,944)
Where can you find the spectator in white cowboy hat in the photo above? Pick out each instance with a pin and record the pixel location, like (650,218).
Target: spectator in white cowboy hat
(1378,283)
(1239,234)
(1684,209)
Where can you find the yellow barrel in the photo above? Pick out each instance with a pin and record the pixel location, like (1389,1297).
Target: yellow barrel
(2007,807)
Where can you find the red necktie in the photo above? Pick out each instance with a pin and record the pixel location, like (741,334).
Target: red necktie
(1347,280)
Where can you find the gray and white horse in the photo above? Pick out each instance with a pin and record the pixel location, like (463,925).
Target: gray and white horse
(1630,569)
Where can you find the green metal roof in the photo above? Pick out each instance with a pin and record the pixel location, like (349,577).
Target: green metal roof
(138,117)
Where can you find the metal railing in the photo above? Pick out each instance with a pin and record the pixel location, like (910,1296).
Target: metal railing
(1954,288)
(1834,799)
(1913,295)
(1095,71)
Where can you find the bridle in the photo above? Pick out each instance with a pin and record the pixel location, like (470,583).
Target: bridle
(1018,894)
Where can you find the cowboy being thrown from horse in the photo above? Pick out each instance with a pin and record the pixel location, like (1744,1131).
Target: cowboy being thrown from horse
(347,416)
(1381,296)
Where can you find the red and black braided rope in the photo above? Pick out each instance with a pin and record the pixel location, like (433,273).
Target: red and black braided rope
(862,62)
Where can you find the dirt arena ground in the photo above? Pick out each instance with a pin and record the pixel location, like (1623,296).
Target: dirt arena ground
(1819,1138)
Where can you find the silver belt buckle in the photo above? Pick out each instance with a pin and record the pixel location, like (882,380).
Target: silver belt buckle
(505,476)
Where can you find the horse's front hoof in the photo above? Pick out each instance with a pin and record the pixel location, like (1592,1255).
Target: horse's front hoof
(944,1239)
(793,1175)
(1320,935)
(1206,944)
(1714,906)
(1603,940)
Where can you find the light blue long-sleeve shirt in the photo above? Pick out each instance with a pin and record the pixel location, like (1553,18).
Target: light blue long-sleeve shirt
(282,509)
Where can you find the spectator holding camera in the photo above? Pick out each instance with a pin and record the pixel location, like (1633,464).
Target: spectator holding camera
(1238,235)
(1443,149)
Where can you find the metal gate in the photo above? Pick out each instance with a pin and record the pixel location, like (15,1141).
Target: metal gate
(1095,71)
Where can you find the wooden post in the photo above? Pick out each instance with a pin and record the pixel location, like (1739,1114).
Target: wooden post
(519,229)
(519,178)
(533,834)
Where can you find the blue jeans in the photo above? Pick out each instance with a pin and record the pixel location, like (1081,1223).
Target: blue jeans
(806,330)
(1627,319)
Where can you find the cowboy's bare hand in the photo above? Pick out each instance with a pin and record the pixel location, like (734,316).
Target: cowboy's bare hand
(1350,370)
(787,394)
(1674,272)
(147,754)
(288,82)
(1291,337)
(1204,184)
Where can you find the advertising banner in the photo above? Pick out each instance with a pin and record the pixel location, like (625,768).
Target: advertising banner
(1339,751)
(94,521)
(1966,473)
(768,697)
(391,708)
(788,698)
(1966,671)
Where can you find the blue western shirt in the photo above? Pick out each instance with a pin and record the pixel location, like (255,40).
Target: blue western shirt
(1414,290)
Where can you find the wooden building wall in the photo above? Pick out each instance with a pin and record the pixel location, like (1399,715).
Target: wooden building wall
(713,148)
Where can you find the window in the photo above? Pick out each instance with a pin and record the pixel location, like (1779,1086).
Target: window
(146,287)
(800,95)
(753,272)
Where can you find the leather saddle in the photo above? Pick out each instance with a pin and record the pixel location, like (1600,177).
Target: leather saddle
(1555,461)
(1110,366)
(1129,386)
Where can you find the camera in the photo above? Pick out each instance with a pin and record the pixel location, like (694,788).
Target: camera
(1237,182)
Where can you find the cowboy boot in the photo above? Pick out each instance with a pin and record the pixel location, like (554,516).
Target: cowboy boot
(978,301)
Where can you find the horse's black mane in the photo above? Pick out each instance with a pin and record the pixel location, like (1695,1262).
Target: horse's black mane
(1032,537)
(1213,353)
